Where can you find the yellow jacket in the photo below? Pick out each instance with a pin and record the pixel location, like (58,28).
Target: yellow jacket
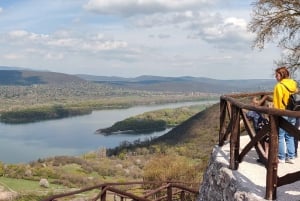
(281,94)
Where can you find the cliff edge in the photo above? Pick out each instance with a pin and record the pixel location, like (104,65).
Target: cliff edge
(248,183)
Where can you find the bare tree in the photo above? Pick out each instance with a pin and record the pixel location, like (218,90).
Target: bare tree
(278,21)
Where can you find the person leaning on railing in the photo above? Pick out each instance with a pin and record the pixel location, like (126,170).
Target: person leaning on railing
(258,121)
(285,85)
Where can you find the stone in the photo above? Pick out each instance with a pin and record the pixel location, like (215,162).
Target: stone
(223,184)
(44,183)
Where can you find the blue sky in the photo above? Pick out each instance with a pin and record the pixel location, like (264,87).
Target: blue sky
(129,38)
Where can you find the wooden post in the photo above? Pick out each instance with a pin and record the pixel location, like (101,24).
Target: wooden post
(182,195)
(235,139)
(169,193)
(222,121)
(272,165)
(103,193)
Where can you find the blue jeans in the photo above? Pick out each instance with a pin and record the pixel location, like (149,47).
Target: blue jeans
(286,144)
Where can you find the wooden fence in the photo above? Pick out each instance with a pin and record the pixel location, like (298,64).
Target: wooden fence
(138,191)
(233,109)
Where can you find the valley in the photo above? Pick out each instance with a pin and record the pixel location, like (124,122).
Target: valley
(42,96)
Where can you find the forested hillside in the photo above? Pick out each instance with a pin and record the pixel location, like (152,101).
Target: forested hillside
(28,77)
(185,83)
(198,132)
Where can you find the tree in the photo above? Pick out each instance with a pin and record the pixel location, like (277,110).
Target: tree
(278,21)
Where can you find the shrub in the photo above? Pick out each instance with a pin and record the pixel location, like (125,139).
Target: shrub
(171,167)
(1,168)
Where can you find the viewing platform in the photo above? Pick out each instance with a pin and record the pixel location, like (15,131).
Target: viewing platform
(248,182)
(240,176)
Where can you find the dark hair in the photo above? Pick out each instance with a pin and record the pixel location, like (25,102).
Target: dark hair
(283,72)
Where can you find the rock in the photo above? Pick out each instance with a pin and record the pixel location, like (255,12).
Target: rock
(7,195)
(223,184)
(44,183)
(120,166)
(138,161)
(28,173)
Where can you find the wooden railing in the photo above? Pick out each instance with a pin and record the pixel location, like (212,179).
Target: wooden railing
(233,109)
(138,191)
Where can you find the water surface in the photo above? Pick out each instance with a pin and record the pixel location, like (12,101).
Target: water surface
(70,136)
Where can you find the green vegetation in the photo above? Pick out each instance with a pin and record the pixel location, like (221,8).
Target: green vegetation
(154,120)
(41,113)
(21,104)
(27,189)
(172,117)
(136,126)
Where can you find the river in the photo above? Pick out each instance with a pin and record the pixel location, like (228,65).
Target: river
(22,143)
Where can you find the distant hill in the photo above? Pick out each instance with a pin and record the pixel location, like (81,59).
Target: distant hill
(22,76)
(29,77)
(185,84)
(12,68)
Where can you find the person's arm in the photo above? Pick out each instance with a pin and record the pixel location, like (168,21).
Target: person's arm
(263,99)
(268,98)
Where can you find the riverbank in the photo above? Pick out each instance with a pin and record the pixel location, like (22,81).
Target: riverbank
(41,114)
(35,113)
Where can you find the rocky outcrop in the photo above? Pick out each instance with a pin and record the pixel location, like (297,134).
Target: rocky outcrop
(223,184)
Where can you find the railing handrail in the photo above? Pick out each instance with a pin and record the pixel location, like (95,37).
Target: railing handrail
(271,111)
(231,107)
(104,187)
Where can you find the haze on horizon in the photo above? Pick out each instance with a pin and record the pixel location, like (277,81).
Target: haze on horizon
(129,38)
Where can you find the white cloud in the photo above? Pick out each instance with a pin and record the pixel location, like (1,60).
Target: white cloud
(1,10)
(18,33)
(223,32)
(23,35)
(133,7)
(12,56)
(164,19)
(229,33)
(53,56)
(219,58)
(64,41)
(236,22)
(162,36)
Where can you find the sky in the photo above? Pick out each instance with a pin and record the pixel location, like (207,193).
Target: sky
(130,38)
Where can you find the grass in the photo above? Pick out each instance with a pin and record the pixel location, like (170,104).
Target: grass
(27,186)
(72,168)
(29,190)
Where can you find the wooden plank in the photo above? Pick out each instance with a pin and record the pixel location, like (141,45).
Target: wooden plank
(235,139)
(222,135)
(288,178)
(272,165)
